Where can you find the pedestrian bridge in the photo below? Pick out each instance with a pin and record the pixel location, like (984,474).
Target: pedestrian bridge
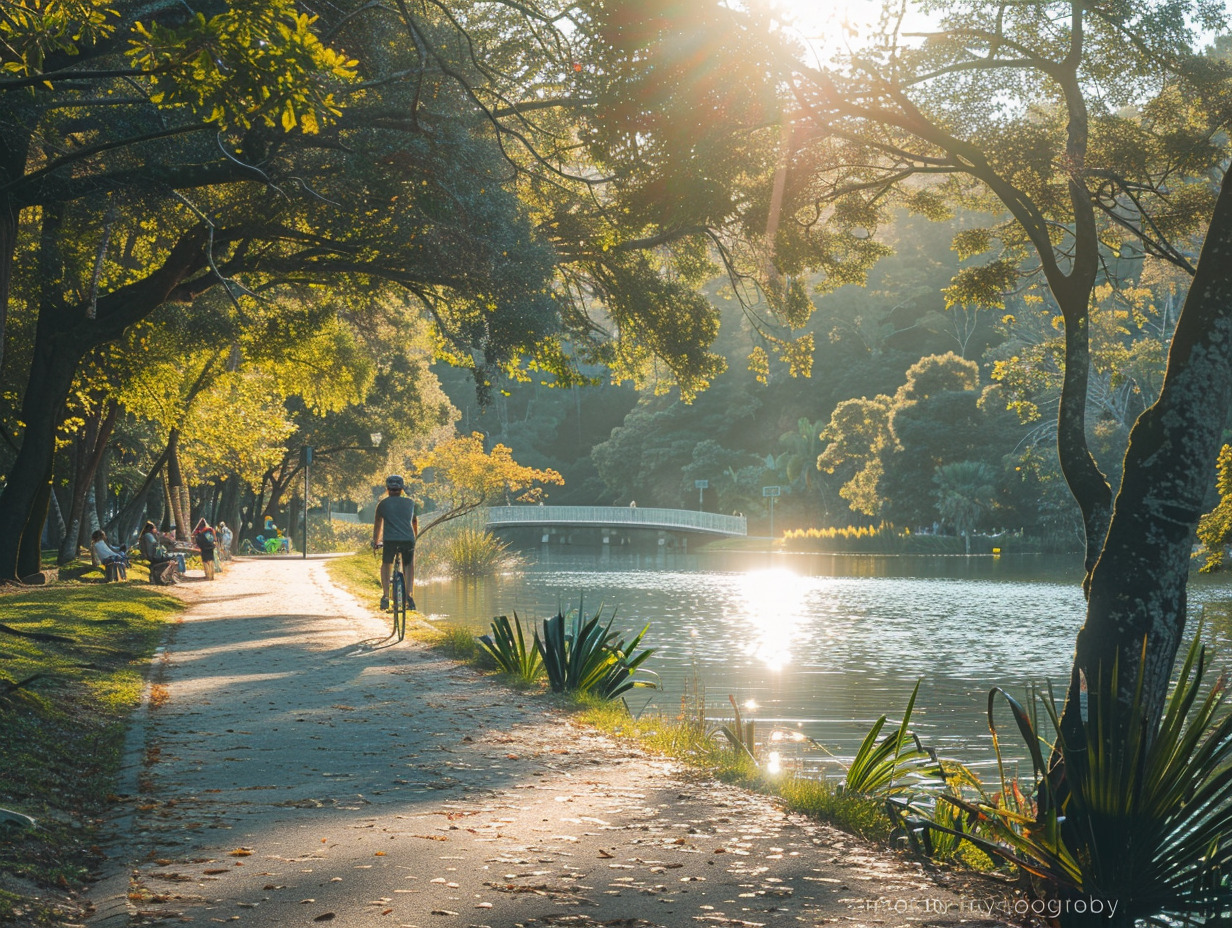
(623,517)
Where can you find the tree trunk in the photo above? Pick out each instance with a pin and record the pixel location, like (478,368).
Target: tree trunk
(63,336)
(90,448)
(132,511)
(1137,589)
(55,521)
(30,555)
(51,377)
(14,154)
(175,486)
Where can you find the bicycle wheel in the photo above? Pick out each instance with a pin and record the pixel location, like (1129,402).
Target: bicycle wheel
(398,600)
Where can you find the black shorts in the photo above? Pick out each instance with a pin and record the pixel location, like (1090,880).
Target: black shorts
(392,548)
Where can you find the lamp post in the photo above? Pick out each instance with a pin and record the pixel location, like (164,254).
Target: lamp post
(307,458)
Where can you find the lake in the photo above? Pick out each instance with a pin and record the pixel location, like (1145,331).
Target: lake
(824,644)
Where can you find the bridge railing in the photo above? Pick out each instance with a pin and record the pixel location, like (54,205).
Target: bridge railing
(683,519)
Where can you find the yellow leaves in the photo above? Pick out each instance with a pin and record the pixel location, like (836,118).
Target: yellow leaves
(288,116)
(759,364)
(465,476)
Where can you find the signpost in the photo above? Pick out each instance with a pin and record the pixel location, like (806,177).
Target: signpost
(771,493)
(701,488)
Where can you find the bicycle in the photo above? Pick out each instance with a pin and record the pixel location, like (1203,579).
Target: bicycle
(399,597)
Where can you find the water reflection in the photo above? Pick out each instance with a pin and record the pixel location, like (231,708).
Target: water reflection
(772,603)
(827,644)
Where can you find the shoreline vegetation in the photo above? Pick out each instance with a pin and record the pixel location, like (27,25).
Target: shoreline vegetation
(898,793)
(689,737)
(75,658)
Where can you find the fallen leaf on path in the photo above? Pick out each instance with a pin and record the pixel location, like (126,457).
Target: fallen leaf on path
(240,852)
(324,918)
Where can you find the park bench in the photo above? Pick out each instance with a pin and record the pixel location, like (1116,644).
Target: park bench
(162,577)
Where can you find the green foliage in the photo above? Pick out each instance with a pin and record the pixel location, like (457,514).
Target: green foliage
(474,552)
(511,651)
(457,642)
(858,435)
(32,31)
(983,285)
(590,658)
(895,765)
(1215,528)
(1143,811)
(966,491)
(258,62)
(337,536)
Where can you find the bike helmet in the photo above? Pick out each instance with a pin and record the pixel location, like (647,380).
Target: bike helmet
(395,482)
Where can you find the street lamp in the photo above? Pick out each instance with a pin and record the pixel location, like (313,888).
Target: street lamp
(306,458)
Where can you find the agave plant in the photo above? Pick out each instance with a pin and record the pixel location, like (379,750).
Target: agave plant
(897,764)
(510,650)
(1143,820)
(591,658)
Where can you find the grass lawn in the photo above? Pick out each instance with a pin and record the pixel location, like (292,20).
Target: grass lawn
(72,663)
(360,575)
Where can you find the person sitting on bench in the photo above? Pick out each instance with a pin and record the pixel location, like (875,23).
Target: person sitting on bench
(113,560)
(162,567)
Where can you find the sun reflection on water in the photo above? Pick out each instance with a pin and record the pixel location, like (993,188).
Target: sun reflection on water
(773,602)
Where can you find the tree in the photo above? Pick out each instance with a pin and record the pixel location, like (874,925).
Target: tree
(460,477)
(247,190)
(1034,111)
(1215,528)
(966,491)
(858,435)
(268,154)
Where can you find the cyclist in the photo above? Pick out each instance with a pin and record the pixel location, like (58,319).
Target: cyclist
(397,524)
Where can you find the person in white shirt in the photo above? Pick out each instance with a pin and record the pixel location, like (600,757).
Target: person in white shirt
(108,556)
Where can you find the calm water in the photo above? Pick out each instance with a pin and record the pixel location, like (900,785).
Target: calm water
(824,644)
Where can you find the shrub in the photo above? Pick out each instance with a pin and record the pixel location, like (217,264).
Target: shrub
(510,650)
(590,658)
(1142,814)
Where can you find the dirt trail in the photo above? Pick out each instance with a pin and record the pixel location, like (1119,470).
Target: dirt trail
(287,772)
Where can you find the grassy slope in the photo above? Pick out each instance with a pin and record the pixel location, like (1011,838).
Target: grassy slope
(62,731)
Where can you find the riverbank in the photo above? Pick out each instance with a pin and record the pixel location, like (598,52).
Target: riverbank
(299,768)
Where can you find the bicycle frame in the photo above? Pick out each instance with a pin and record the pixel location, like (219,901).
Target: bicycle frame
(398,595)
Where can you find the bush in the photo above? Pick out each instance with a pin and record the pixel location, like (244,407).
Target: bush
(464,549)
(472,552)
(334,536)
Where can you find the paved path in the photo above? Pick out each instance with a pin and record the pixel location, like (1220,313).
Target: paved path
(288,775)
